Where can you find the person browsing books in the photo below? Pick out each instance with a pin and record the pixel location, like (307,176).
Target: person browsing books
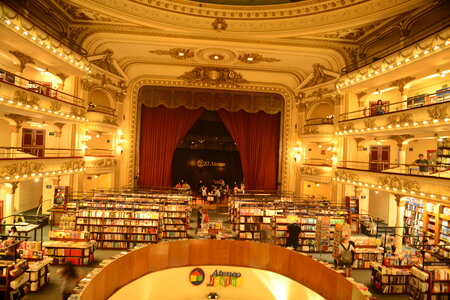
(293,233)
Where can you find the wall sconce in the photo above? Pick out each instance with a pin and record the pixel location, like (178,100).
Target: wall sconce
(120,143)
(297,152)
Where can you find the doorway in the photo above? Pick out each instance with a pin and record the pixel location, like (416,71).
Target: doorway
(379,158)
(33,141)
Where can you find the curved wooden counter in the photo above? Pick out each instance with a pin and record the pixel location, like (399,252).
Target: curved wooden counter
(156,257)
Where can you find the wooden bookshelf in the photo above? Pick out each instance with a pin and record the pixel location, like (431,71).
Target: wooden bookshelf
(390,280)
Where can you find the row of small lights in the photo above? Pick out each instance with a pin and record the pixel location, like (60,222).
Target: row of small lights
(388,188)
(392,66)
(37,176)
(54,50)
(368,129)
(36,108)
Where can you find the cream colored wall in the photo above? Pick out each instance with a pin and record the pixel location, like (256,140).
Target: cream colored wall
(316,151)
(103,181)
(28,195)
(419,146)
(428,85)
(5,136)
(322,189)
(363,156)
(379,205)
(174,284)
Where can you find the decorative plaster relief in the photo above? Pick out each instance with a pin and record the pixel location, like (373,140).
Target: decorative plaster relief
(307,170)
(21,168)
(73,164)
(211,76)
(398,183)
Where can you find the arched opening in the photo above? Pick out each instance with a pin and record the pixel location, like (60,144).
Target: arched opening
(99,102)
(322,113)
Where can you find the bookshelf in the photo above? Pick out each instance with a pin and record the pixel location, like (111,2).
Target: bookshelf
(389,280)
(13,279)
(430,282)
(414,211)
(78,253)
(444,231)
(174,221)
(39,274)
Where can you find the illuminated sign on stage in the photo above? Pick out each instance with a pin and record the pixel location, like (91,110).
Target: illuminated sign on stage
(225,279)
(206,163)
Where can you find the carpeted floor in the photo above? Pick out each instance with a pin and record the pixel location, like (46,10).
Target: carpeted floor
(51,291)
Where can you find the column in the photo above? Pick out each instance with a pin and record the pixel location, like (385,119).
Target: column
(399,223)
(10,189)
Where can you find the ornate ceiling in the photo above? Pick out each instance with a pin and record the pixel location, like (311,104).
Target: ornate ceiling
(263,40)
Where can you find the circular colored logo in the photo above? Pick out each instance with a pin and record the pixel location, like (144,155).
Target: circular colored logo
(197,276)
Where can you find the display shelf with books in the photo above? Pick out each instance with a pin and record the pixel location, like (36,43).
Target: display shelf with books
(390,280)
(323,234)
(174,220)
(39,274)
(403,259)
(78,253)
(431,281)
(414,211)
(431,222)
(30,250)
(444,232)
(340,230)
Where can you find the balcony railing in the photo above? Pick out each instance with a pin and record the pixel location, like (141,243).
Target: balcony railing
(318,162)
(319,121)
(404,43)
(39,87)
(37,152)
(99,152)
(431,170)
(410,103)
(101,109)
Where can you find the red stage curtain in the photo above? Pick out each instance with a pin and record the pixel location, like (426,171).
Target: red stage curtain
(257,137)
(161,130)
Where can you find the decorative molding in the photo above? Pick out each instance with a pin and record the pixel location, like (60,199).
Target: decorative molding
(26,98)
(59,125)
(72,164)
(401,119)
(285,128)
(438,112)
(211,76)
(347,175)
(254,58)
(311,130)
(398,183)
(77,111)
(351,34)
(319,76)
(219,24)
(346,126)
(55,106)
(400,139)
(87,85)
(80,13)
(63,78)
(359,96)
(312,171)
(175,53)
(23,59)
(400,83)
(21,168)
(369,123)
(110,120)
(105,163)
(19,119)
(358,140)
(107,62)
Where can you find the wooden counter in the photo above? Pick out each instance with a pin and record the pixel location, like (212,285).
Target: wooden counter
(156,257)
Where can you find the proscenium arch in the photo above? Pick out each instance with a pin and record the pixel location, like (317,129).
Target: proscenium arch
(286,141)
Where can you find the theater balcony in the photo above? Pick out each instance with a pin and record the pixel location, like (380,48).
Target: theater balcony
(102,115)
(402,179)
(19,95)
(25,163)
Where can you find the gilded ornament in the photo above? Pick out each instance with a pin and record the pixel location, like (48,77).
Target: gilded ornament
(400,83)
(19,119)
(105,163)
(72,164)
(399,119)
(23,59)
(311,130)
(438,112)
(177,53)
(219,24)
(107,62)
(55,106)
(347,175)
(110,120)
(21,168)
(398,183)
(369,123)
(213,76)
(254,58)
(307,170)
(319,76)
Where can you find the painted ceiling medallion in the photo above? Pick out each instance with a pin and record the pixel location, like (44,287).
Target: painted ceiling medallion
(216,57)
(213,76)
(177,53)
(219,24)
(254,58)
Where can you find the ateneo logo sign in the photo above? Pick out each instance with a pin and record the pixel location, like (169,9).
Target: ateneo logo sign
(197,276)
(225,279)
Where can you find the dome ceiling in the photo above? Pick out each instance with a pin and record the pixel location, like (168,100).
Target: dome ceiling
(284,41)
